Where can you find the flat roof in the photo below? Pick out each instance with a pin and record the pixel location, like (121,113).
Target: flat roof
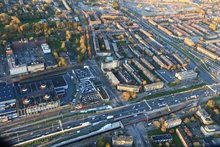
(6,92)
(162,137)
(58,81)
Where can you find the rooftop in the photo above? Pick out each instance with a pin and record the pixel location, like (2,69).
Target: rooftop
(6,92)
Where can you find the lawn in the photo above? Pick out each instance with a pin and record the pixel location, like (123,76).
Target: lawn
(176,141)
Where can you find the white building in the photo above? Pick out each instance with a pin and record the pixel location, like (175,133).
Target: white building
(154,86)
(204,117)
(110,65)
(36,67)
(173,122)
(114,80)
(185,75)
(210,130)
(46,49)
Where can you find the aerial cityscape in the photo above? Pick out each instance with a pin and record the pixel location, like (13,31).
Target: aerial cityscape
(109,73)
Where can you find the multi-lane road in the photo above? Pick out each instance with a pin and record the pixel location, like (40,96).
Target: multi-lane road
(69,120)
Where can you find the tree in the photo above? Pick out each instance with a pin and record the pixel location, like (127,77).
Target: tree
(216,111)
(100,142)
(196,144)
(63,45)
(107,145)
(162,120)
(172,115)
(192,119)
(68,35)
(144,82)
(115,5)
(163,127)
(171,131)
(62,62)
(126,96)
(167,144)
(186,120)
(210,103)
(156,124)
(133,95)
(15,20)
(55,54)
(79,58)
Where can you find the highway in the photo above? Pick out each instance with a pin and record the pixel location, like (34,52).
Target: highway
(119,113)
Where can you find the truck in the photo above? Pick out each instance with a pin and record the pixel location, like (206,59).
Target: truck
(85,124)
(110,117)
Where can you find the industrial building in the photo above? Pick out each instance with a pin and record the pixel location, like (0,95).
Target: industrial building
(204,117)
(130,88)
(186,75)
(7,102)
(29,56)
(173,122)
(38,96)
(154,86)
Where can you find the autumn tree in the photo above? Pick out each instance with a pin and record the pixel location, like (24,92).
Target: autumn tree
(210,104)
(126,95)
(68,35)
(216,111)
(62,62)
(186,120)
(163,127)
(156,124)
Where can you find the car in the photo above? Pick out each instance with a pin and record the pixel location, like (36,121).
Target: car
(149,124)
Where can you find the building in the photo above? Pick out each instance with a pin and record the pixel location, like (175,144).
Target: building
(204,117)
(35,67)
(110,65)
(162,138)
(93,18)
(186,75)
(7,102)
(122,140)
(173,122)
(129,88)
(154,86)
(210,130)
(41,95)
(114,80)
(29,56)
(183,137)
